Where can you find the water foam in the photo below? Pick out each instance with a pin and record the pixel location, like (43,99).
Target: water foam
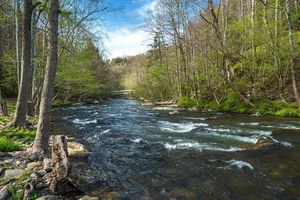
(179,127)
(199,146)
(239,164)
(84,121)
(137,140)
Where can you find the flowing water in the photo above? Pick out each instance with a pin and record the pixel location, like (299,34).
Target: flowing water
(144,153)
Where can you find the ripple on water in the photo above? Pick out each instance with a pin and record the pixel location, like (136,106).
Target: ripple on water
(84,121)
(215,133)
(239,164)
(199,146)
(167,126)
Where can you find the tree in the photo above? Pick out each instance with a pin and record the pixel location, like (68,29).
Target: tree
(40,146)
(292,54)
(21,106)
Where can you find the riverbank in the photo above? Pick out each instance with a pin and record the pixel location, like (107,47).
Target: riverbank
(16,168)
(231,105)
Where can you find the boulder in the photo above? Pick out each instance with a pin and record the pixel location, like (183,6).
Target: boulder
(89,198)
(264,143)
(257,114)
(13,173)
(77,150)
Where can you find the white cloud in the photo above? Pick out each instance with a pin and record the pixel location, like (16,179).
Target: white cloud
(149,7)
(126,42)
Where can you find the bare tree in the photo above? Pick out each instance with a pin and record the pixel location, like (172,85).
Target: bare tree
(40,147)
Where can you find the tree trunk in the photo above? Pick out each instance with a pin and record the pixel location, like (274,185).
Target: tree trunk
(30,104)
(21,107)
(3,109)
(42,137)
(292,54)
(16,5)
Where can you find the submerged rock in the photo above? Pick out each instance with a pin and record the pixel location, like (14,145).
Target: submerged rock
(89,198)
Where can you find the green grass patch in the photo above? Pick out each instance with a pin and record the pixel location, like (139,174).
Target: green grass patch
(7,145)
(18,134)
(11,107)
(187,102)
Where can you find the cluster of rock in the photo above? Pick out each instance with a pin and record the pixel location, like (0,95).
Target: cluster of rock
(50,176)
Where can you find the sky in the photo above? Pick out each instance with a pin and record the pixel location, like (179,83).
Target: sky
(124,35)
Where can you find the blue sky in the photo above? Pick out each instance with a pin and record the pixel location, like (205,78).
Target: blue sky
(124,35)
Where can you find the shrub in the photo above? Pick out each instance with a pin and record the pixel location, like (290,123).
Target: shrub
(272,107)
(233,104)
(187,102)
(288,112)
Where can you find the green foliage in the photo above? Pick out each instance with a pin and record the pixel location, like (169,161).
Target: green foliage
(288,112)
(209,105)
(234,104)
(187,102)
(7,145)
(272,107)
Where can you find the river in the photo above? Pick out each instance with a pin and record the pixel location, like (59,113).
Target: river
(144,153)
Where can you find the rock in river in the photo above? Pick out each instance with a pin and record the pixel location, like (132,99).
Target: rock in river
(264,143)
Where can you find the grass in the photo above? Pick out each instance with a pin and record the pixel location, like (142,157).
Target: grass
(233,104)
(11,138)
(7,145)
(16,189)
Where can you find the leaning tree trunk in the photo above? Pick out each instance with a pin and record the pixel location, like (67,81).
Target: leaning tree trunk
(21,107)
(40,146)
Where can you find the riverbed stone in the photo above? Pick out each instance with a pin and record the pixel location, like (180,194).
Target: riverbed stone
(175,112)
(49,197)
(264,142)
(89,198)
(13,173)
(33,165)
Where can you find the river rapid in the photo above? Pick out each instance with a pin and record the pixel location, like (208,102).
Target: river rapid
(144,153)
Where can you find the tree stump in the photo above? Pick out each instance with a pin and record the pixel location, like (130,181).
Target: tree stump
(58,177)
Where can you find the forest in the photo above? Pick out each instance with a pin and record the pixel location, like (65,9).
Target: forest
(237,56)
(217,76)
